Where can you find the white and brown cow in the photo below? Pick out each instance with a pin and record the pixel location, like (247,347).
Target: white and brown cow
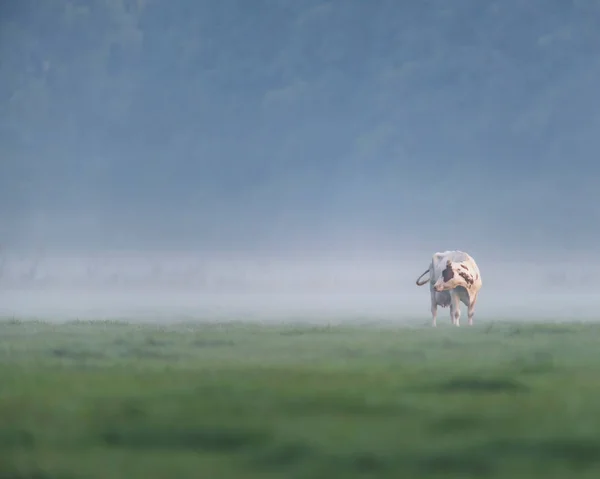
(453,277)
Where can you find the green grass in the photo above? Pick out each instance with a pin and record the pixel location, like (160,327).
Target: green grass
(240,400)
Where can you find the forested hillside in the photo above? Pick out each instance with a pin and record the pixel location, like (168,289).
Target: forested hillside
(253,109)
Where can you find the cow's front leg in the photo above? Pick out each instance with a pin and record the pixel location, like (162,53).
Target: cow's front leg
(455,309)
(471,311)
(433,308)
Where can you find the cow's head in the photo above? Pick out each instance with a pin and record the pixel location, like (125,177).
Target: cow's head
(454,274)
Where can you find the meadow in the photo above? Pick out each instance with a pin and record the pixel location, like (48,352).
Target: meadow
(110,399)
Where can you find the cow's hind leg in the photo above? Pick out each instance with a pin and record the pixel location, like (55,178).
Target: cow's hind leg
(433,308)
(455,309)
(471,311)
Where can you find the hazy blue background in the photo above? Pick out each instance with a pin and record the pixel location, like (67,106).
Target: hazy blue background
(302,128)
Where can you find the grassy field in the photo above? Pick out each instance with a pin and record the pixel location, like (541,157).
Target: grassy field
(242,400)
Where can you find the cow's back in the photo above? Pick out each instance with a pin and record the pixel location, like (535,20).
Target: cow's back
(439,260)
(472,265)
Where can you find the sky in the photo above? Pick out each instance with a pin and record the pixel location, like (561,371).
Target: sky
(305,129)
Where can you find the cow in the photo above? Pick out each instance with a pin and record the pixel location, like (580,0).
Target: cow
(453,277)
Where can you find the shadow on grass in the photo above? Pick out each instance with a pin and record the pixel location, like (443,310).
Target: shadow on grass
(462,462)
(76,354)
(150,352)
(212,343)
(156,342)
(581,452)
(343,405)
(177,437)
(539,330)
(480,385)
(457,424)
(16,474)
(362,462)
(300,331)
(276,456)
(291,455)
(539,363)
(11,437)
(485,459)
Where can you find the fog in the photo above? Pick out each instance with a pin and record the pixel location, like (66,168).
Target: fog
(296,160)
(155,286)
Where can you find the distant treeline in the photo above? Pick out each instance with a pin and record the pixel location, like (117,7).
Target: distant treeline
(99,90)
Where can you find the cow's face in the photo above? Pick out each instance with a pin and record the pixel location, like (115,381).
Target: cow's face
(454,274)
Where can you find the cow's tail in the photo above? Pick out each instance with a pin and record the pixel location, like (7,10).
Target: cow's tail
(421,283)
